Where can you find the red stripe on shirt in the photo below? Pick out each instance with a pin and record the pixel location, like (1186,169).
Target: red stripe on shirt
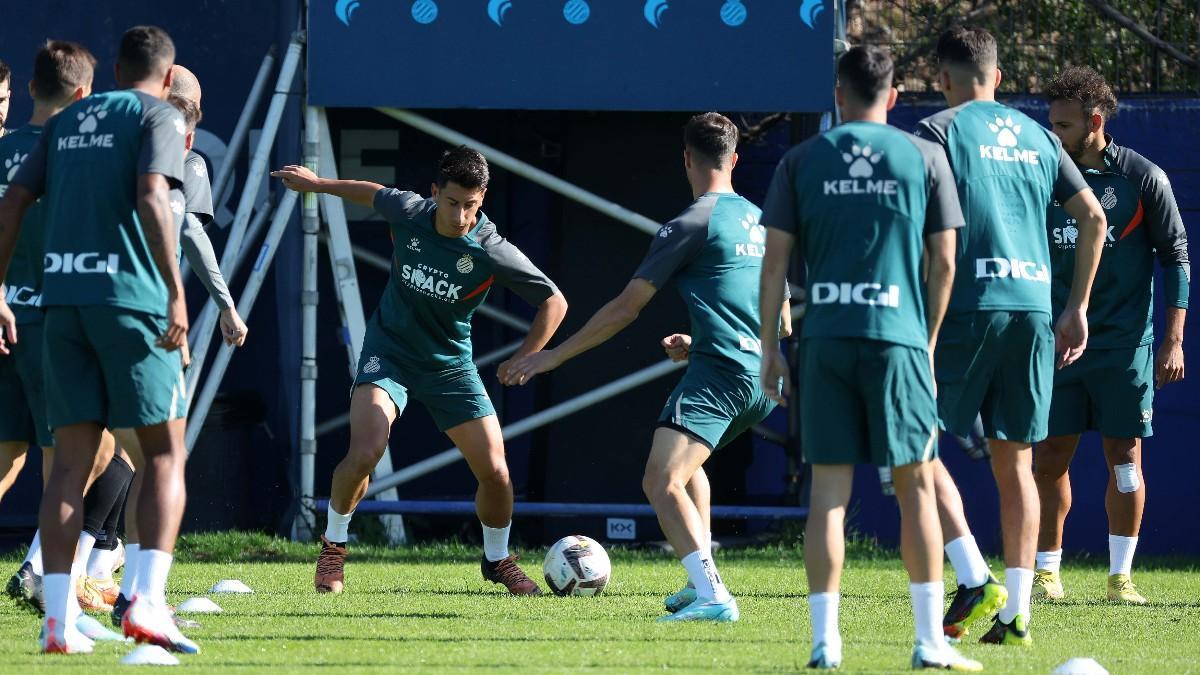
(482,287)
(1137,220)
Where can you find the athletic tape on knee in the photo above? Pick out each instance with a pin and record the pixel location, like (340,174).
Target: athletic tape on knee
(1127,478)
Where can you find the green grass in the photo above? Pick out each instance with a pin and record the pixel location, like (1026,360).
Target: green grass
(425,609)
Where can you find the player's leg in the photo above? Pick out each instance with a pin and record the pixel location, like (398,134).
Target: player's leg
(1051,472)
(700,492)
(12,460)
(1012,467)
(127,440)
(1124,501)
(482,445)
(17,424)
(373,408)
(979,594)
(97,591)
(824,555)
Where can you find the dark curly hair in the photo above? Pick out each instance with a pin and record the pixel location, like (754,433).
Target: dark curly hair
(465,166)
(1080,83)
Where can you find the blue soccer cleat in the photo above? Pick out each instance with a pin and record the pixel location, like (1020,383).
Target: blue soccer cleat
(680,599)
(706,610)
(825,657)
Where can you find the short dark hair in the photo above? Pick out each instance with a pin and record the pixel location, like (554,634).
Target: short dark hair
(711,135)
(967,46)
(5,72)
(60,68)
(188,108)
(865,71)
(145,52)
(1080,83)
(464,166)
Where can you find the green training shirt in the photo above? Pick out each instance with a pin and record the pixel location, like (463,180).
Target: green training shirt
(1143,221)
(87,164)
(437,282)
(713,251)
(23,285)
(860,200)
(1006,168)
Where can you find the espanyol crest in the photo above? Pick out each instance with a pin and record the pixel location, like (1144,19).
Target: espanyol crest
(465,264)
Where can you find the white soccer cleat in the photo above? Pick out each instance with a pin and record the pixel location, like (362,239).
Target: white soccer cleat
(61,637)
(944,658)
(151,623)
(825,657)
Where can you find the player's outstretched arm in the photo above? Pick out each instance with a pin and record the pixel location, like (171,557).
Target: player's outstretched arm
(13,205)
(302,179)
(158,225)
(1071,331)
(770,301)
(614,316)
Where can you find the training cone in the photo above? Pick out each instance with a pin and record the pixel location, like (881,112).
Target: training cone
(230,586)
(150,655)
(1080,666)
(199,606)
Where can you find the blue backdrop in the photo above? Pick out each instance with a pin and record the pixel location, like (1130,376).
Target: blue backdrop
(572,54)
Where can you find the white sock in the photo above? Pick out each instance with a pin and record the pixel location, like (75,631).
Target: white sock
(337,528)
(34,556)
(83,551)
(1050,561)
(702,572)
(710,543)
(1120,554)
(130,574)
(100,564)
(927,612)
(823,610)
(495,542)
(1019,582)
(58,593)
(153,568)
(969,566)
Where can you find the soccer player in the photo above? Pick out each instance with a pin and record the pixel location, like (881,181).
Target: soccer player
(447,255)
(115,319)
(864,203)
(5,94)
(996,356)
(193,208)
(713,251)
(1110,389)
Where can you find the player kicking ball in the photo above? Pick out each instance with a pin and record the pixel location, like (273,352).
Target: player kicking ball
(713,251)
(864,203)
(996,357)
(418,344)
(1110,388)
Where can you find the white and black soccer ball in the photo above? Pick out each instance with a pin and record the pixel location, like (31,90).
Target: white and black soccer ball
(577,565)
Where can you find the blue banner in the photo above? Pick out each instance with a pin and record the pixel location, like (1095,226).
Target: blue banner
(743,55)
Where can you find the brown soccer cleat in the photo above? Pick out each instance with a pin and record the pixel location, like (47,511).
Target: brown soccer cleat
(95,595)
(506,572)
(331,564)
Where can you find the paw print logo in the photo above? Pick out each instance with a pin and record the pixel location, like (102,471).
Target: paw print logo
(861,161)
(180,126)
(199,169)
(758,233)
(664,231)
(89,118)
(177,206)
(1070,234)
(1006,132)
(12,164)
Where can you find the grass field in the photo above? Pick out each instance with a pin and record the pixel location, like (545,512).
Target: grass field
(426,610)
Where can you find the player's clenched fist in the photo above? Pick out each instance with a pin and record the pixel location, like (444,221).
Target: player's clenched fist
(677,346)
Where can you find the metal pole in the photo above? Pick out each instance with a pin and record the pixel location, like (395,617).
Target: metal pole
(561,510)
(530,423)
(242,128)
(258,168)
(568,190)
(252,235)
(310,222)
(246,303)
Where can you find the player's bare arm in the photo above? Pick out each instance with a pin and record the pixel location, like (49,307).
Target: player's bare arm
(785,320)
(610,320)
(547,320)
(12,210)
(302,179)
(940,250)
(154,209)
(770,300)
(1168,364)
(1071,332)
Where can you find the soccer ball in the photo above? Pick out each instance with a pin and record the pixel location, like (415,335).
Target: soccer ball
(576,565)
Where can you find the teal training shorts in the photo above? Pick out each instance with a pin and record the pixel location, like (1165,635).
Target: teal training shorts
(22,390)
(1106,390)
(866,402)
(102,364)
(714,406)
(998,365)
(452,396)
